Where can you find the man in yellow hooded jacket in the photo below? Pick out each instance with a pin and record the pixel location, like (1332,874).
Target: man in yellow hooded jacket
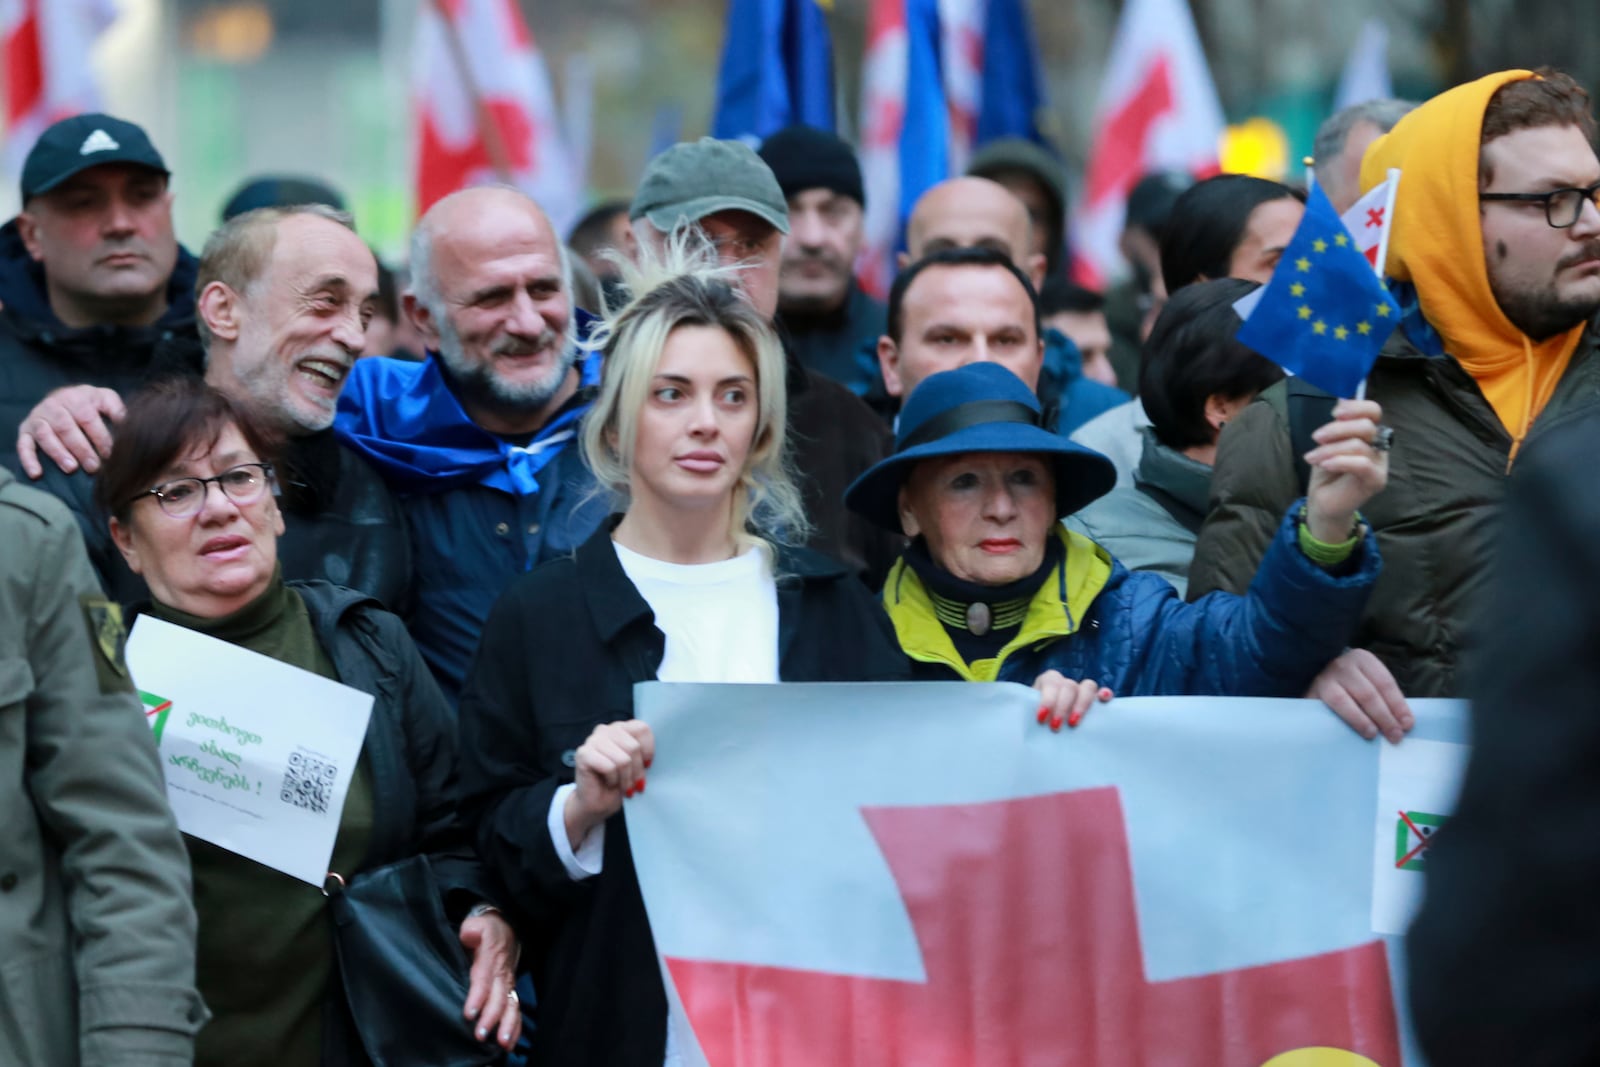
(1494,255)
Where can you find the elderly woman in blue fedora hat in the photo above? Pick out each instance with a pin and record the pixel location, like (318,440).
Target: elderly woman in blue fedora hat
(994,587)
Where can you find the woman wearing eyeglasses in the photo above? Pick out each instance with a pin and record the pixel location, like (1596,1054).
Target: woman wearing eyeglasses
(190,492)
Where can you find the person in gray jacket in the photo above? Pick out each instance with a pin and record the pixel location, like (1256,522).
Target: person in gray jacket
(96,917)
(1193,378)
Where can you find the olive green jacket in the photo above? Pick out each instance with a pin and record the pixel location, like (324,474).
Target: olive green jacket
(1435,523)
(96,920)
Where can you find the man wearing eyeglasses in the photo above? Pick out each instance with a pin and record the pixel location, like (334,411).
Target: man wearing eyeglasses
(1494,255)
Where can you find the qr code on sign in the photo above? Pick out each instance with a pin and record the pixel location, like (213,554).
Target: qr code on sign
(308,782)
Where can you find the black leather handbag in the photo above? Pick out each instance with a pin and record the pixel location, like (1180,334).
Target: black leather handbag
(405,974)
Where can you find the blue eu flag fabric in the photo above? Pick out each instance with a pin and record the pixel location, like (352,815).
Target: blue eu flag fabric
(1324,315)
(1012,93)
(777,69)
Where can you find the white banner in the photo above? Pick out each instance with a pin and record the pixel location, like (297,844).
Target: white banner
(921,874)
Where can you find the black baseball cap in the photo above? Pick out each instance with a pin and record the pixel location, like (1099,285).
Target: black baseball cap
(73,145)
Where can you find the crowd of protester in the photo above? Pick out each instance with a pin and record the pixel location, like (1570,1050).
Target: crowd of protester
(498,489)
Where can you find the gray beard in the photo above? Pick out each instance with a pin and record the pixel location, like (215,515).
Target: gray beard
(476,383)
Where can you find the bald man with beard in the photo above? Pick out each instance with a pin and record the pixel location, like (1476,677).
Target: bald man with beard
(978,213)
(477,440)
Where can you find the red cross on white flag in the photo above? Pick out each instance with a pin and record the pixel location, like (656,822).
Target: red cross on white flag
(1369,218)
(45,68)
(483,110)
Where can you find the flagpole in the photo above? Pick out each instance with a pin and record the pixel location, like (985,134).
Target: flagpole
(1383,246)
(488,129)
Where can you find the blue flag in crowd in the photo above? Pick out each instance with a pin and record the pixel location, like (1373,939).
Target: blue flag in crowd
(777,69)
(1324,315)
(1012,97)
(924,135)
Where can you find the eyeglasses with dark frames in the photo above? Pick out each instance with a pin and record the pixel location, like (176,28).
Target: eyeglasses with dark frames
(1562,207)
(243,484)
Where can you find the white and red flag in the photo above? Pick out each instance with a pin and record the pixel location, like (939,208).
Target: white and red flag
(1370,219)
(45,52)
(1158,110)
(1184,882)
(483,108)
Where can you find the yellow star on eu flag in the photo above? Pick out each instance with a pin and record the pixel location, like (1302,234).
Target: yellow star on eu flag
(1302,264)
(1363,328)
(1340,333)
(1320,245)
(1341,240)
(1304,312)
(1383,311)
(1319,327)
(1297,290)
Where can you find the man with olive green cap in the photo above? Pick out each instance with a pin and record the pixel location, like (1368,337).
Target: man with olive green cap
(726,191)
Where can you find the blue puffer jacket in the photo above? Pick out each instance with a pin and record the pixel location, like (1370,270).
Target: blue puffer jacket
(1130,631)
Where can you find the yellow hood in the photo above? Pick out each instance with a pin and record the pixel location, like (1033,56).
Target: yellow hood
(1437,245)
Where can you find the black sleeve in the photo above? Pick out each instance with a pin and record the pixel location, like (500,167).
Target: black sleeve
(507,790)
(1505,955)
(431,756)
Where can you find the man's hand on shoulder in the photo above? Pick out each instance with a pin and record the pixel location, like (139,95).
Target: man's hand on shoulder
(72,426)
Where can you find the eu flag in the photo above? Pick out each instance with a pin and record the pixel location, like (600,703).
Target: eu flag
(777,69)
(1324,315)
(1012,94)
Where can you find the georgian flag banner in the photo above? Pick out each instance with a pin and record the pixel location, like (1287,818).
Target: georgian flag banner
(919,874)
(46,48)
(483,108)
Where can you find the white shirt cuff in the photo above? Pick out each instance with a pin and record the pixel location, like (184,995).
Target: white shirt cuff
(587,860)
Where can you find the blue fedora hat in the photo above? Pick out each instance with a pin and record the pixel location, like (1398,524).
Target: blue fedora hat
(981,407)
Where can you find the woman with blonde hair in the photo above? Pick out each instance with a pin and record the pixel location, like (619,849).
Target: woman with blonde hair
(694,580)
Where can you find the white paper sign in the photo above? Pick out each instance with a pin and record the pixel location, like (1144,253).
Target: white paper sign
(258,755)
(1418,782)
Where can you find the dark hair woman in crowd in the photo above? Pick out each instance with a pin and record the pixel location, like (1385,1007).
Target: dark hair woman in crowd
(993,587)
(1229,226)
(1194,376)
(694,582)
(190,491)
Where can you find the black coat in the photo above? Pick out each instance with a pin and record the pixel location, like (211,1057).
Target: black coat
(38,354)
(560,655)
(1504,958)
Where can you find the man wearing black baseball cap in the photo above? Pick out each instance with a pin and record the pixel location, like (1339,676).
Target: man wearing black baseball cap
(825,312)
(95,289)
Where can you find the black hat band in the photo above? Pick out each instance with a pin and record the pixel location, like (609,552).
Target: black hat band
(972,413)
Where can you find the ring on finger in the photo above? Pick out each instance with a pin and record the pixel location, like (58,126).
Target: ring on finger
(511,995)
(1383,439)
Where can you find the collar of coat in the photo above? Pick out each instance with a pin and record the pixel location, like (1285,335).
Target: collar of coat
(1055,611)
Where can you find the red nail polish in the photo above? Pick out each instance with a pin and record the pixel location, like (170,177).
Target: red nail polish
(647,764)
(1075,719)
(1105,694)
(640,787)
(1044,713)
(1055,726)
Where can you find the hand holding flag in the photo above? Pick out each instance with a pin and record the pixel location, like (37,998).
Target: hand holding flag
(1325,314)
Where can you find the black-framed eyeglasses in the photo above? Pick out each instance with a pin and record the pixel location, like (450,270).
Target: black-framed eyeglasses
(243,484)
(1562,207)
